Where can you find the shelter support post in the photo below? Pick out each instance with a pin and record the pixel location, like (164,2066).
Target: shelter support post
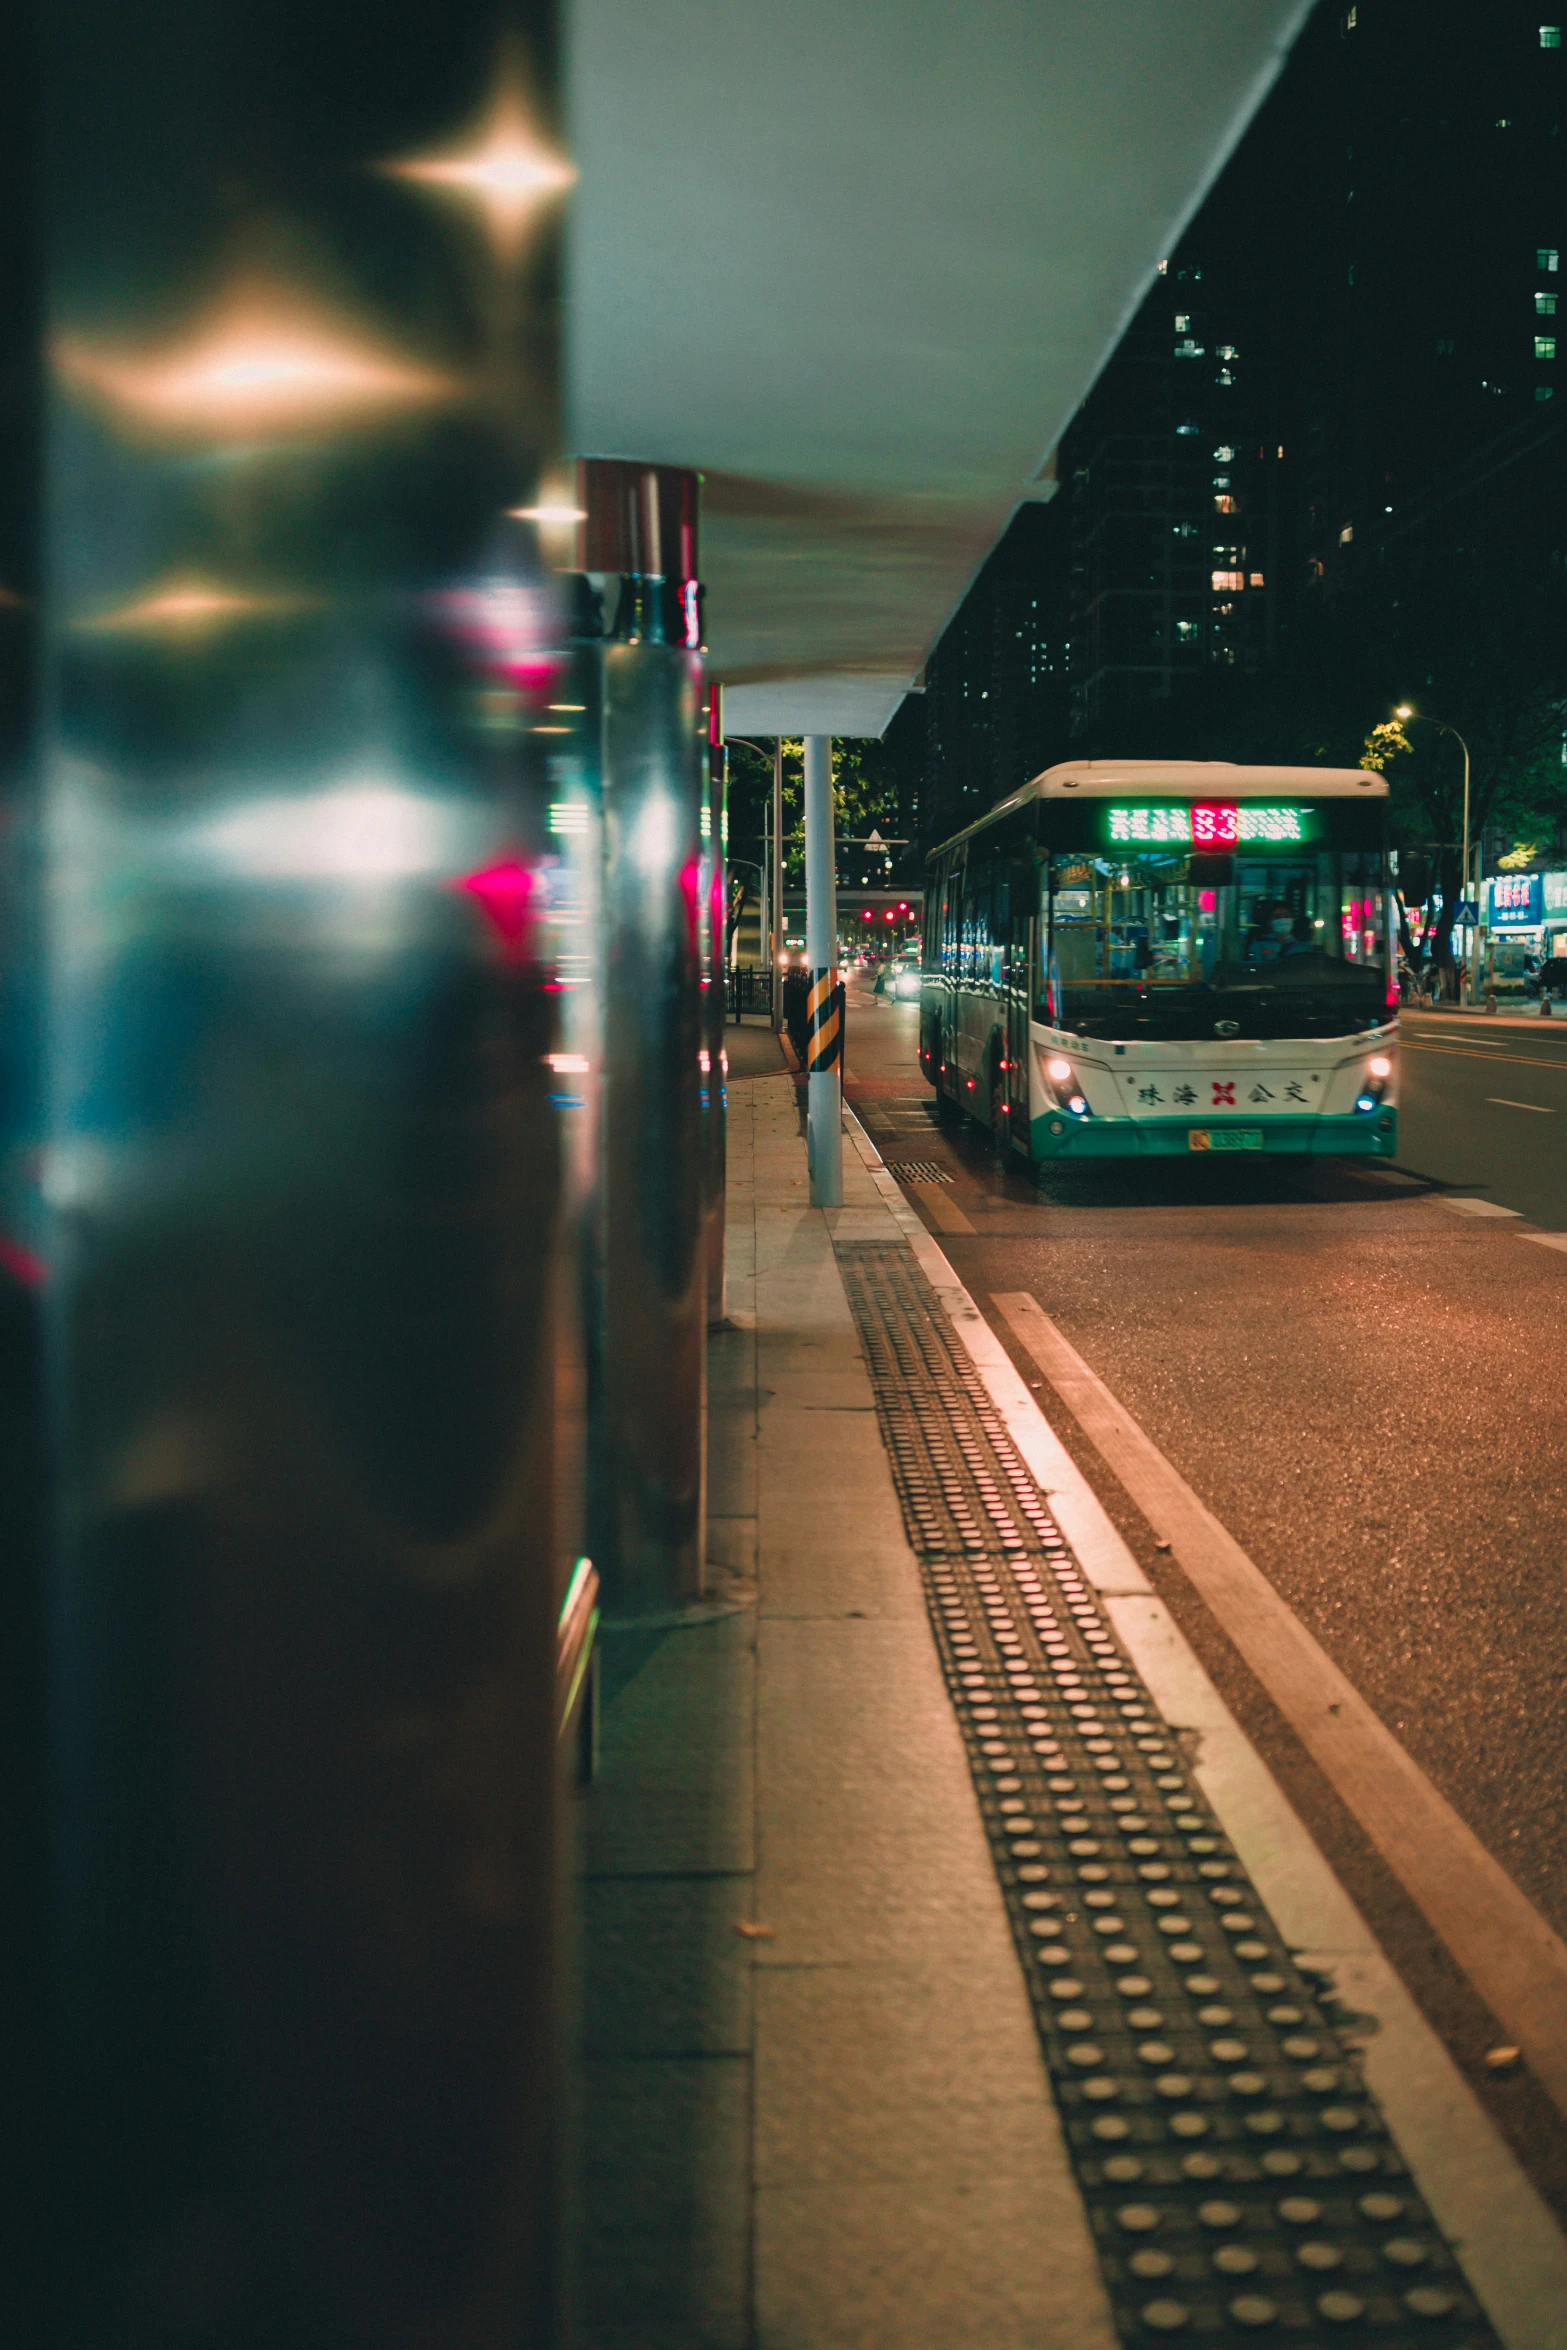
(777,913)
(824,1037)
(715,975)
(645,1488)
(288,1295)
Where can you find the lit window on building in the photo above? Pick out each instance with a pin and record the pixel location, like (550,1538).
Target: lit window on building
(1188,631)
(1545,305)
(1184,431)
(1346,534)
(1225,505)
(1223,455)
(1257,579)
(1183,530)
(1351,20)
(1228,581)
(1545,391)
(1550,36)
(1547,257)
(1188,349)
(1183,324)
(1445,346)
(1545,346)
(1228,351)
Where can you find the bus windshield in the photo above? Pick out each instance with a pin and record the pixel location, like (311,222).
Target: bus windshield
(1144,943)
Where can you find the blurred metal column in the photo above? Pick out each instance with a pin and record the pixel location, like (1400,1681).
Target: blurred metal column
(715,976)
(779,924)
(646,1493)
(824,1086)
(288,1205)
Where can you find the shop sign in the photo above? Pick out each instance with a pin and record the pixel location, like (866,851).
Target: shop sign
(1555,892)
(1517,901)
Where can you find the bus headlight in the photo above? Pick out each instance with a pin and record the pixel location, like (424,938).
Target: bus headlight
(1061,1082)
(1381,1066)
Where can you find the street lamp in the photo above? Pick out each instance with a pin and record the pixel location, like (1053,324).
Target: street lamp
(1406,712)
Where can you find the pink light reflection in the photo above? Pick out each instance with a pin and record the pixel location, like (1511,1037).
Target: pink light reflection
(507,629)
(21,1263)
(503,892)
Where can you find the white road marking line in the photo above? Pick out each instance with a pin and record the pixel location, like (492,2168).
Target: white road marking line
(1460,1052)
(1484,2202)
(1546,1239)
(1510,1954)
(1473,1207)
(1503,1103)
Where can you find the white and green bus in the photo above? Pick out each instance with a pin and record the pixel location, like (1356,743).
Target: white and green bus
(1133,957)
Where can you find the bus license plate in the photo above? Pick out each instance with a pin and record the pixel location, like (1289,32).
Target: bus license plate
(1224,1138)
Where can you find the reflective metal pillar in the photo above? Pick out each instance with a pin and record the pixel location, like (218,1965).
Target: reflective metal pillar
(715,973)
(779,924)
(288,1205)
(646,1489)
(824,1087)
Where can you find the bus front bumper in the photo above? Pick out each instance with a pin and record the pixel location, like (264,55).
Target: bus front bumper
(1364,1134)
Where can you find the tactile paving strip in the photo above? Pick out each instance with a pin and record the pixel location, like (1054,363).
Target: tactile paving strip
(1239,2179)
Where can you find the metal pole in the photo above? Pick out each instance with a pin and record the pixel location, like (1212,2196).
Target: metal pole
(645,1485)
(764,919)
(824,1086)
(777,888)
(1463,885)
(290,1504)
(715,980)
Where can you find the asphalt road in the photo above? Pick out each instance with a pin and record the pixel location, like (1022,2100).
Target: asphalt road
(1484,1106)
(1364,1385)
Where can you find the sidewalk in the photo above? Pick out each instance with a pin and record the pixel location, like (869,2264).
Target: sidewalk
(1507,1014)
(817,2113)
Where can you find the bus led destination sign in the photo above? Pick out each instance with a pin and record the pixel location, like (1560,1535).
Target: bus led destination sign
(1207,824)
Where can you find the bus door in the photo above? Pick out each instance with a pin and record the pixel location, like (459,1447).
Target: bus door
(1022,935)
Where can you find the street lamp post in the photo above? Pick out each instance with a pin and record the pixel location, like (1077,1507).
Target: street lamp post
(1405,712)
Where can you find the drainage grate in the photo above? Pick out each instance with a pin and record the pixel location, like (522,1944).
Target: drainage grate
(1239,2179)
(919,1170)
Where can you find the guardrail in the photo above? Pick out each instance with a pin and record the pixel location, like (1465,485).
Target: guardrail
(746,990)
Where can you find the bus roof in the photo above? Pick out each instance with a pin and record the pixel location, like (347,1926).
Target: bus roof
(1196,779)
(1201,779)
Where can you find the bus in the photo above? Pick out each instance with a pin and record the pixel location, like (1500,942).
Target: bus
(1142,957)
